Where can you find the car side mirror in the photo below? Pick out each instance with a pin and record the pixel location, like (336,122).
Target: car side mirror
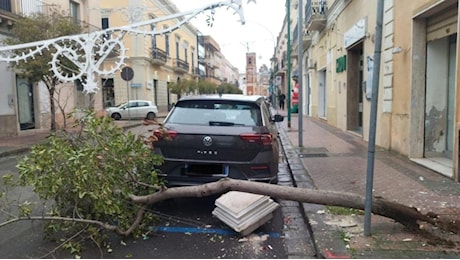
(278,118)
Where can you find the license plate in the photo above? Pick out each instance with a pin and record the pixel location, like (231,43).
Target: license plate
(206,170)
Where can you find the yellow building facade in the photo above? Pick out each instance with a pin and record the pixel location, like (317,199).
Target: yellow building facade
(156,60)
(417,115)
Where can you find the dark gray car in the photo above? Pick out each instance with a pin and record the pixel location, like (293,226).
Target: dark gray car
(215,136)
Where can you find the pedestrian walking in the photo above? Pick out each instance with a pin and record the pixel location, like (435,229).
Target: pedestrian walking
(281,98)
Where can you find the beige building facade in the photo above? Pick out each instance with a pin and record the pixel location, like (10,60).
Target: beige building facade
(417,115)
(156,60)
(25,106)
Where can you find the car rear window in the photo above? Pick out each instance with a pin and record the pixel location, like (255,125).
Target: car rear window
(216,112)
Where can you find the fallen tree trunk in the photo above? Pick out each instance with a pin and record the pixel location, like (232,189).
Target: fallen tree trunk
(405,215)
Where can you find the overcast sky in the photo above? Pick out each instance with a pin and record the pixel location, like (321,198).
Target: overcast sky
(264,20)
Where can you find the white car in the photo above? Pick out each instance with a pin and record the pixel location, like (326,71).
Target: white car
(133,109)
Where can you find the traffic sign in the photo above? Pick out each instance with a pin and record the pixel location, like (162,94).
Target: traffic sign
(127,73)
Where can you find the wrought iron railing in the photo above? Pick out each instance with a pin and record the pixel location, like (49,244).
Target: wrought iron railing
(25,7)
(315,7)
(159,54)
(182,64)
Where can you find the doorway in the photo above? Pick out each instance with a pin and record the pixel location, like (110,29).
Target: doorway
(322,94)
(26,112)
(440,97)
(108,93)
(355,89)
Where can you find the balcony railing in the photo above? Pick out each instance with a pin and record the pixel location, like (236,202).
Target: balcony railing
(25,7)
(200,73)
(159,56)
(181,66)
(306,39)
(11,10)
(315,15)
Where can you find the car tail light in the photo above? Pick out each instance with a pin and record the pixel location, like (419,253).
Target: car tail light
(259,167)
(265,139)
(165,134)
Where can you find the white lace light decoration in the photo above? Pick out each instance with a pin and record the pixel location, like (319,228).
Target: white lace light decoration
(88,52)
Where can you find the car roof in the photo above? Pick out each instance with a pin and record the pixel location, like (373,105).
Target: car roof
(227,97)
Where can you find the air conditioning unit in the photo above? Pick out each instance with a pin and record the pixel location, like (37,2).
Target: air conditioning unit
(311,64)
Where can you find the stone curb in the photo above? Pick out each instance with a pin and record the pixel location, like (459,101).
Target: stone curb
(327,239)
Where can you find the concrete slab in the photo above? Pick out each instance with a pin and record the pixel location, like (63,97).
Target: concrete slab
(244,212)
(240,203)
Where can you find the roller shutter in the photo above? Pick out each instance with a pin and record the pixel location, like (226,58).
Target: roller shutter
(442,24)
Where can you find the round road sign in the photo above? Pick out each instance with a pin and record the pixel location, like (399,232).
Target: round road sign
(127,73)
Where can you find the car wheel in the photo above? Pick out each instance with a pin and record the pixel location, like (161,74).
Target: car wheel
(116,116)
(151,116)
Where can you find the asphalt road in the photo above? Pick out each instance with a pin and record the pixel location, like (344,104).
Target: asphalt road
(185,228)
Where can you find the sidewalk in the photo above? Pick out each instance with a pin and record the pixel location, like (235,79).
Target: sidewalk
(331,159)
(19,144)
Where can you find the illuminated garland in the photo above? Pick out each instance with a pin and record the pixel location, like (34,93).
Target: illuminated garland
(89,51)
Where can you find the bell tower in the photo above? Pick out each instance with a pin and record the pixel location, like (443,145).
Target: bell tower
(251,73)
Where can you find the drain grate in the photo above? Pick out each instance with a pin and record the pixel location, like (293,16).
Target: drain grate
(310,155)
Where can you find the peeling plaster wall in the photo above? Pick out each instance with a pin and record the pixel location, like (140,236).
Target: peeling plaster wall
(436,96)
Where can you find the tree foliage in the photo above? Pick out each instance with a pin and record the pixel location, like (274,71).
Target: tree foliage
(37,27)
(187,87)
(90,174)
(228,88)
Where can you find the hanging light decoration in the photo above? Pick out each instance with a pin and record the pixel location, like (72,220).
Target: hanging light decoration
(87,52)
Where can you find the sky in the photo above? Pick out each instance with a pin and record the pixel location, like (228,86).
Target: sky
(264,20)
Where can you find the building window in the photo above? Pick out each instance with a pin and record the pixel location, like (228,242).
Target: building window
(79,84)
(105,25)
(167,44)
(152,28)
(193,62)
(75,12)
(177,49)
(185,54)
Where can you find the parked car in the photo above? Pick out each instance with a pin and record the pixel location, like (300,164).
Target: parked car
(133,109)
(209,137)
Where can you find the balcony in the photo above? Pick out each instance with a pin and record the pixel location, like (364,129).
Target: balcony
(315,15)
(199,72)
(12,9)
(159,56)
(181,66)
(307,39)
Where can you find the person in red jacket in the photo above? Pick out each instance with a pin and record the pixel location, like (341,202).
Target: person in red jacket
(295,98)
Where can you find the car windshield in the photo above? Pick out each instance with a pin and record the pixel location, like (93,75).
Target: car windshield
(216,112)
